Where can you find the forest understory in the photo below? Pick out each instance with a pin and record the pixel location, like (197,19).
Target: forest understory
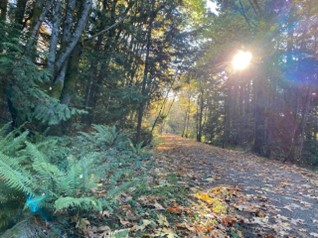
(191,189)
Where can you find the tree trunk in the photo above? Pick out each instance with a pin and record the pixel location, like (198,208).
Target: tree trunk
(61,64)
(69,89)
(19,12)
(200,117)
(39,14)
(75,37)
(259,116)
(227,115)
(54,36)
(3,9)
(163,105)
(145,76)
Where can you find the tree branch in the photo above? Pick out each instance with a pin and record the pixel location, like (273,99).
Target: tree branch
(38,24)
(107,29)
(76,36)
(121,20)
(68,21)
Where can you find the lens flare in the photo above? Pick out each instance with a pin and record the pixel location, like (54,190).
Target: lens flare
(241,60)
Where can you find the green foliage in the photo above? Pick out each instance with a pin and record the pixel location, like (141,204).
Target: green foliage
(10,204)
(10,143)
(15,178)
(67,202)
(11,173)
(24,82)
(105,137)
(58,174)
(311,152)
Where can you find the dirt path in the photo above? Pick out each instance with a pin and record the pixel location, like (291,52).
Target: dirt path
(278,200)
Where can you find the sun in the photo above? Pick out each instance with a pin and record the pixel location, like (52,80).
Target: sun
(241,60)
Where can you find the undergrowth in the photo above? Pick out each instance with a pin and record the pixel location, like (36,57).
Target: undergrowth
(67,178)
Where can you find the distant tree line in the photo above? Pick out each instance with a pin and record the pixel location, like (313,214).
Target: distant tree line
(271,107)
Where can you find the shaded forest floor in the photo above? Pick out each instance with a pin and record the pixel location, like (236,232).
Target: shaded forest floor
(237,194)
(194,190)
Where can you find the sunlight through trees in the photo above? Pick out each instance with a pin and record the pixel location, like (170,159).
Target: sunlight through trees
(86,86)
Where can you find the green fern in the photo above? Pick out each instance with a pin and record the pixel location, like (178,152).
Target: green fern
(85,203)
(11,143)
(13,178)
(60,174)
(104,136)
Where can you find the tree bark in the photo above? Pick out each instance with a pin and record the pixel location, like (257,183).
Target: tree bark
(145,75)
(71,40)
(54,36)
(39,20)
(75,37)
(200,116)
(69,89)
(3,9)
(259,146)
(67,33)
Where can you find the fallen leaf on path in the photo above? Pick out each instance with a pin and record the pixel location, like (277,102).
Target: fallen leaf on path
(205,197)
(157,206)
(185,226)
(175,209)
(162,220)
(228,221)
(123,233)
(141,227)
(166,232)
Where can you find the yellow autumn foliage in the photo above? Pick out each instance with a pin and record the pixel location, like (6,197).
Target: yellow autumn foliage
(217,205)
(205,198)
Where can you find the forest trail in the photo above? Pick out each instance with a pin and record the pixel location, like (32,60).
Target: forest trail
(267,198)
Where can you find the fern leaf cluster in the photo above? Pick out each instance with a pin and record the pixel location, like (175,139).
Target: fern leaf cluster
(85,203)
(58,174)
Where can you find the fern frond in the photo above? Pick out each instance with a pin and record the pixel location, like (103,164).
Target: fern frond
(10,142)
(70,182)
(67,202)
(41,164)
(14,178)
(123,187)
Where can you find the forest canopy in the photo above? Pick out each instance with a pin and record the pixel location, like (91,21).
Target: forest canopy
(269,107)
(68,64)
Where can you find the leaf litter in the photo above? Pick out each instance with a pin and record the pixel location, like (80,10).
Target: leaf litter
(197,190)
(240,194)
